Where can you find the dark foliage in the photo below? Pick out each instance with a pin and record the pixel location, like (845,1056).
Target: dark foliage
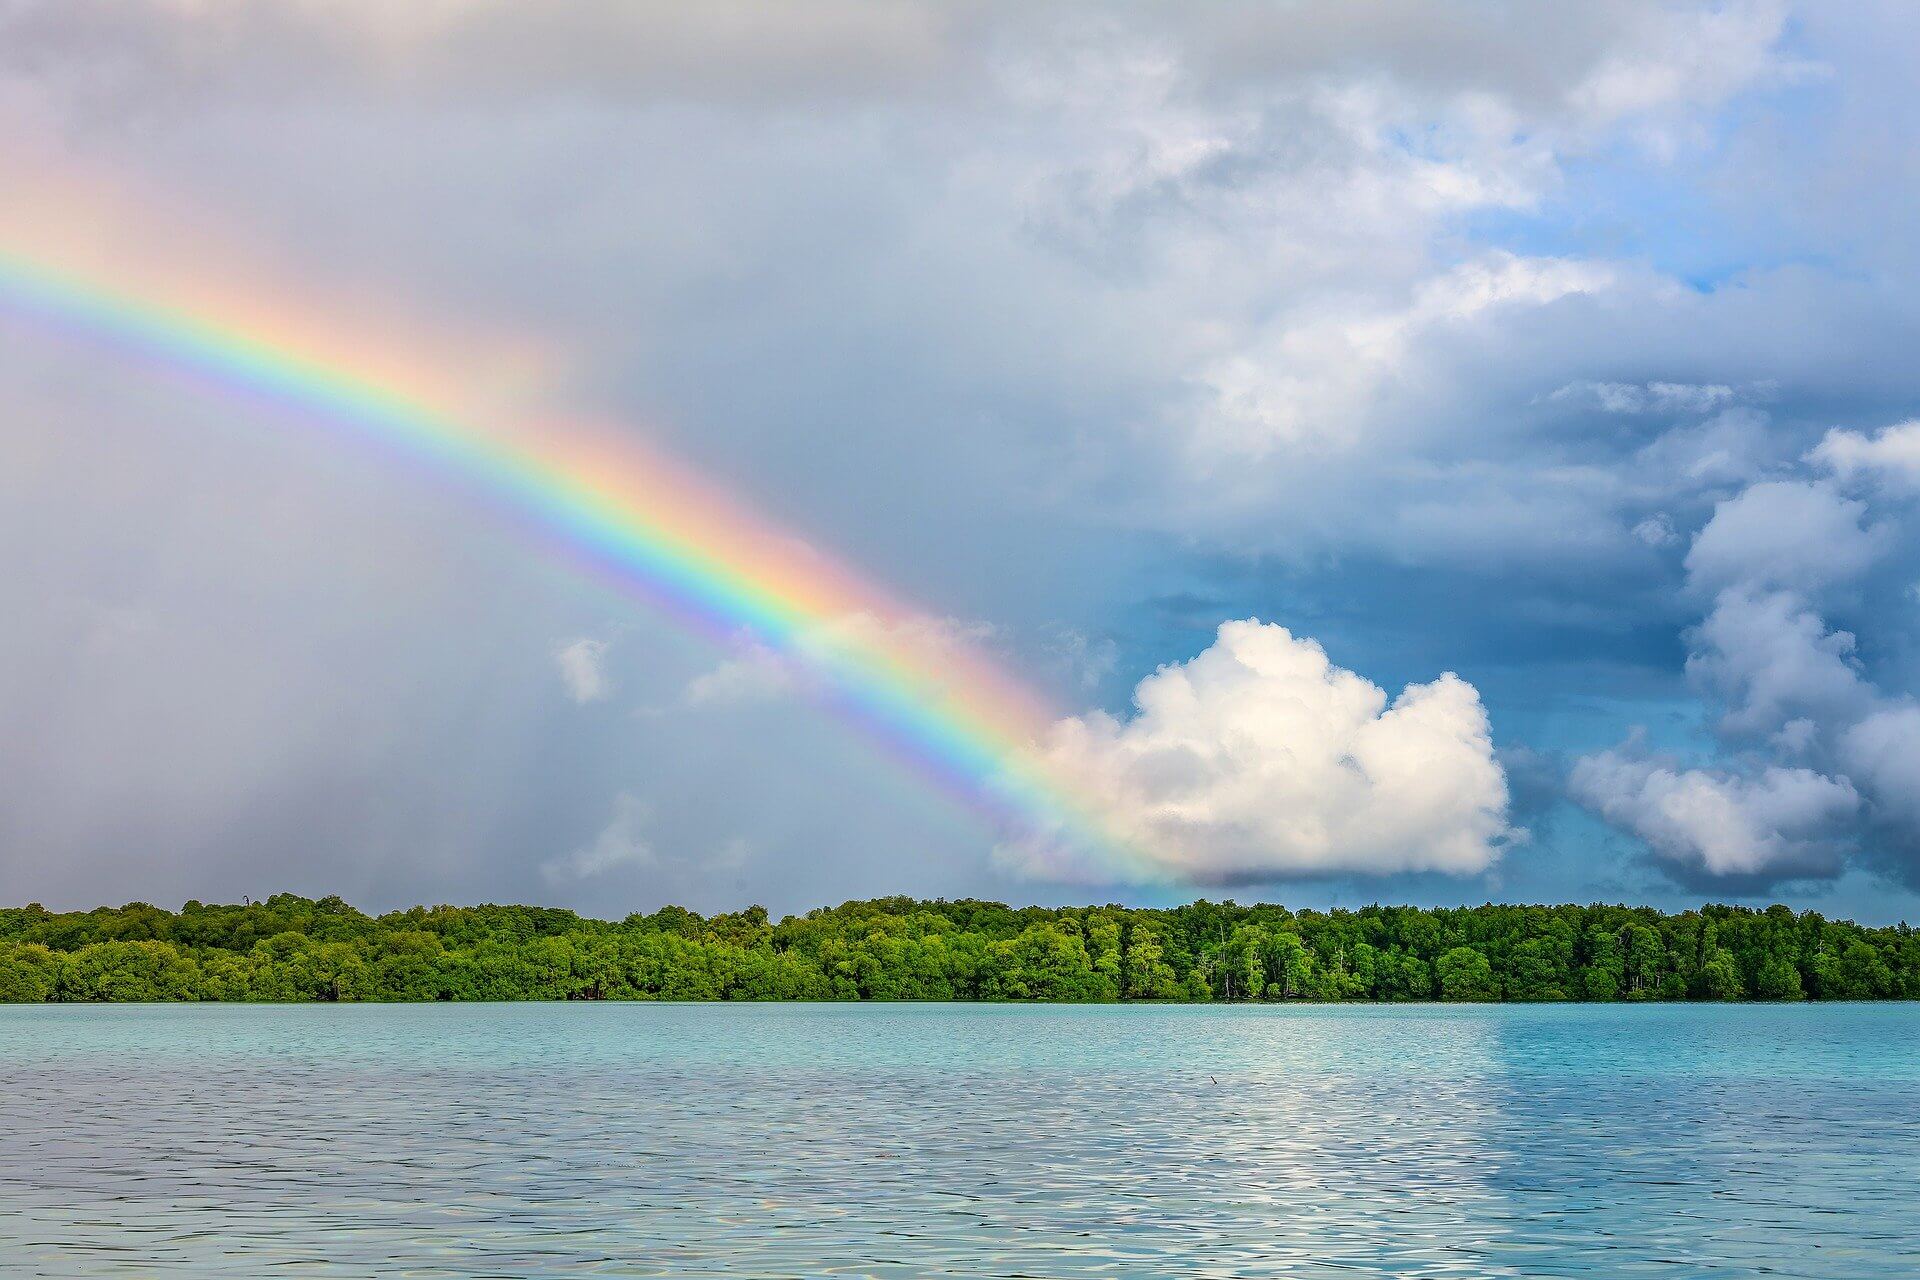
(289,948)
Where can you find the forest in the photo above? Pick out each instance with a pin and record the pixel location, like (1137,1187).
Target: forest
(288,948)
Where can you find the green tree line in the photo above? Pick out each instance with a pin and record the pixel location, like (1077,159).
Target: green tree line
(297,949)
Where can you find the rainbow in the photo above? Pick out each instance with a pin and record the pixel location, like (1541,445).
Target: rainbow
(630,515)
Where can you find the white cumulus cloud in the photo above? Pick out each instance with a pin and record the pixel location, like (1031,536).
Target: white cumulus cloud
(1261,759)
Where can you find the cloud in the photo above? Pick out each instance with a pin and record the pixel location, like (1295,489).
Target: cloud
(1611,59)
(1310,382)
(1038,312)
(1891,456)
(1733,447)
(1790,688)
(1784,533)
(481,50)
(1086,660)
(1883,751)
(1770,658)
(1689,56)
(1656,531)
(582,666)
(1649,397)
(1260,760)
(756,672)
(1250,221)
(621,843)
(1777,824)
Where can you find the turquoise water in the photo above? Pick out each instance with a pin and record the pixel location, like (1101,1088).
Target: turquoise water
(921,1140)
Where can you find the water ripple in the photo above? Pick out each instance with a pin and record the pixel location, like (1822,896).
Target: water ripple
(917,1141)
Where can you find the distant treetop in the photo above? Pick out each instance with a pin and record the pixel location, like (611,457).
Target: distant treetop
(288,948)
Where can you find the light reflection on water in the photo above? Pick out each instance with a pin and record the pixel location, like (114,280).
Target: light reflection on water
(805,1140)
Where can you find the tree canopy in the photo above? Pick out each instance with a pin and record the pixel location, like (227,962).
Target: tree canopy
(288,948)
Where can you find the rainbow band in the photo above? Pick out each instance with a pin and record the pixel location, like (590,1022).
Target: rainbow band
(646,524)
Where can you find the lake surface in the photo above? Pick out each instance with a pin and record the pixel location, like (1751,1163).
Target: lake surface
(924,1140)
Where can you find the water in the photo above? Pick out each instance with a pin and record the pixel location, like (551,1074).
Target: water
(922,1140)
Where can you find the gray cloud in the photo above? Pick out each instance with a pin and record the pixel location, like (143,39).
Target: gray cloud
(621,843)
(1890,456)
(1605,61)
(1777,824)
(1651,397)
(1784,534)
(1772,661)
(1793,692)
(582,665)
(1038,312)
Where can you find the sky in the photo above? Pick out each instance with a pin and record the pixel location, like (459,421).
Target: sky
(1412,453)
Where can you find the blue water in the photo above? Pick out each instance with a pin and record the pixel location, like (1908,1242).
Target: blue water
(922,1140)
